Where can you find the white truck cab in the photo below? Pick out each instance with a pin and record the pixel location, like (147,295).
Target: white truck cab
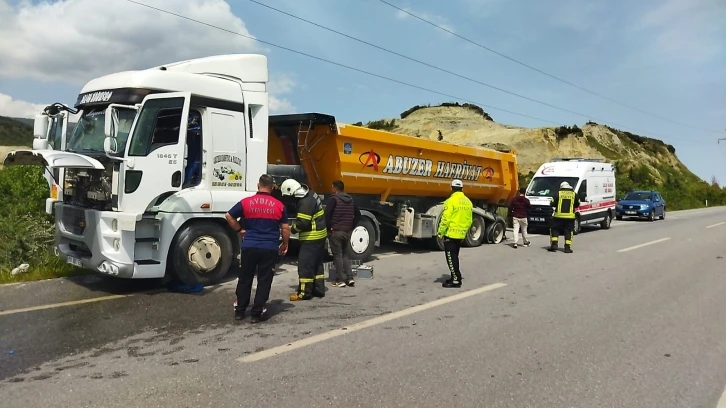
(593,181)
(157,158)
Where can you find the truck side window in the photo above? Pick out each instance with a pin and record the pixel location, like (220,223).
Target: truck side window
(193,169)
(158,125)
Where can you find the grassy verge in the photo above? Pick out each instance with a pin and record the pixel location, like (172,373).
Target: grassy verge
(45,267)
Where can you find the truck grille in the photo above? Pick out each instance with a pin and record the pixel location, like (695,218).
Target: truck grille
(74,220)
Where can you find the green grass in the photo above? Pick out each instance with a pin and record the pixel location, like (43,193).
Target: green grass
(607,152)
(44,267)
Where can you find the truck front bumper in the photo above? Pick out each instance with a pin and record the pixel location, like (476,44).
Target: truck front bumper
(102,241)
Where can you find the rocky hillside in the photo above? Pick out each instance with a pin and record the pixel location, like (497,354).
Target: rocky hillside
(648,161)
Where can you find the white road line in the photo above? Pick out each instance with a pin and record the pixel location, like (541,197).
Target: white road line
(365,324)
(716,225)
(384,256)
(644,245)
(722,400)
(56,305)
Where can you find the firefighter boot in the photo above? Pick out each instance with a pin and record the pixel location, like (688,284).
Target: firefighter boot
(553,247)
(568,249)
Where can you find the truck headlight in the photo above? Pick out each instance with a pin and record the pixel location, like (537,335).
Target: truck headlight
(114,225)
(116,244)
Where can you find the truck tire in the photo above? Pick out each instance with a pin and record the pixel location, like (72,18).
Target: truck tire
(477,232)
(201,253)
(362,240)
(496,230)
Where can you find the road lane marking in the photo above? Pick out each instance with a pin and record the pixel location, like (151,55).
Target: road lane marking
(716,225)
(644,245)
(62,304)
(365,324)
(722,400)
(384,256)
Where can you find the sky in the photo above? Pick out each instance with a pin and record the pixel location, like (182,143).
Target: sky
(665,59)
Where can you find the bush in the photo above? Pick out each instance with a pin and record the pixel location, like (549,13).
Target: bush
(382,125)
(565,131)
(26,231)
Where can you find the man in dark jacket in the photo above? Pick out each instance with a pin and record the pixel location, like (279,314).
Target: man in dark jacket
(518,211)
(341,216)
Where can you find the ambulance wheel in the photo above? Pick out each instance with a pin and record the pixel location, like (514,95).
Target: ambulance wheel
(578,227)
(201,253)
(605,224)
(362,240)
(496,230)
(476,234)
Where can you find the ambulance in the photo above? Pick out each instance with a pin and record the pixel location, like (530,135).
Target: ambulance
(593,181)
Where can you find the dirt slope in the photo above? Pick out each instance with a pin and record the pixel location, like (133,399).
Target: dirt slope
(468,125)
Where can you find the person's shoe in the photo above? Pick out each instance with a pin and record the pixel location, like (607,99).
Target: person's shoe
(239,313)
(526,244)
(451,284)
(295,297)
(351,283)
(552,248)
(514,246)
(339,284)
(568,250)
(261,317)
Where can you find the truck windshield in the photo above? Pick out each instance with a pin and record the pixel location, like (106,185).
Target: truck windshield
(548,186)
(88,135)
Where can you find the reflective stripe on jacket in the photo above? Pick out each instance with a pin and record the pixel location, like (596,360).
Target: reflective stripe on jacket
(310,220)
(565,203)
(456,218)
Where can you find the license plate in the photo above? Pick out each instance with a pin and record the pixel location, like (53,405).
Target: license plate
(74,261)
(536,219)
(630,212)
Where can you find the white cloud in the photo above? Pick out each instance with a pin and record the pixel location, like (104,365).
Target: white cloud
(72,41)
(19,109)
(434,18)
(688,31)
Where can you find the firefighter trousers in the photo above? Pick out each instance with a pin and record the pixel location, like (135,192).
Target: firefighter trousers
(562,226)
(311,276)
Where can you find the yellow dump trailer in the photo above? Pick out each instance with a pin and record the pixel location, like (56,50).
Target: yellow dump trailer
(399,181)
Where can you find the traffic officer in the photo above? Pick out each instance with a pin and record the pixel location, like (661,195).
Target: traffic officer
(455,222)
(309,224)
(563,220)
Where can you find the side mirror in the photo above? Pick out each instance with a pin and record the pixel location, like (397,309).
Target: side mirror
(40,127)
(110,145)
(110,124)
(618,199)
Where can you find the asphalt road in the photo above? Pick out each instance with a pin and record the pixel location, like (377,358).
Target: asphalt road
(636,317)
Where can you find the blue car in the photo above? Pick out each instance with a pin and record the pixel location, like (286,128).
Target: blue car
(641,204)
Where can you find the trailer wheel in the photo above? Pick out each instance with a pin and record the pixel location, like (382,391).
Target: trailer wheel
(201,254)
(362,240)
(495,231)
(476,234)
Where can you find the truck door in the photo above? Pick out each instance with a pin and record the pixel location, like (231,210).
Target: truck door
(154,165)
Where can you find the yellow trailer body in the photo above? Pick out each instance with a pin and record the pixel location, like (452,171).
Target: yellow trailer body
(373,162)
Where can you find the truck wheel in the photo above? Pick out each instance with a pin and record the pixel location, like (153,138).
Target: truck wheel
(476,234)
(362,240)
(495,231)
(201,254)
